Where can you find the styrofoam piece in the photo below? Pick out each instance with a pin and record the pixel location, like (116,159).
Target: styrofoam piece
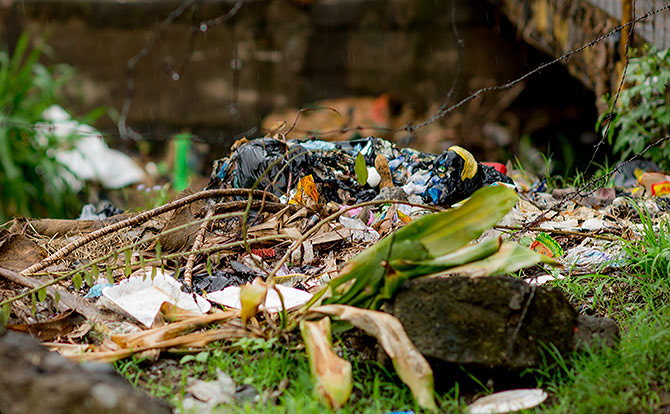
(508,401)
(141,297)
(293,298)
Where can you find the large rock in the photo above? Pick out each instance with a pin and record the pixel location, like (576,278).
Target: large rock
(489,323)
(34,380)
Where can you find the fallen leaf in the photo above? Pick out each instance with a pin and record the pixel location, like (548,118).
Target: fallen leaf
(332,374)
(251,296)
(61,325)
(411,366)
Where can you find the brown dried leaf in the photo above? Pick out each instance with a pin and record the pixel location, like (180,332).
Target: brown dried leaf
(411,366)
(332,374)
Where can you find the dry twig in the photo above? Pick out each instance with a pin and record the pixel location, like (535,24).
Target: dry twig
(69,248)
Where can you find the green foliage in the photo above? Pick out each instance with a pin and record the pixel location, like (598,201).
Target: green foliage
(643,113)
(282,376)
(630,378)
(433,243)
(31,179)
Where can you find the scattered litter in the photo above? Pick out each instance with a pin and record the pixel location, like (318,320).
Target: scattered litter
(359,231)
(96,290)
(582,256)
(103,210)
(293,298)
(507,401)
(206,395)
(142,295)
(546,245)
(542,279)
(90,159)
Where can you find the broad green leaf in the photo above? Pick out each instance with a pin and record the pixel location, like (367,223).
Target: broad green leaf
(361,169)
(362,280)
(464,255)
(510,258)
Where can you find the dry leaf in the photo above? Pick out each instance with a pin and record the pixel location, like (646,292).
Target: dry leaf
(332,374)
(411,366)
(251,296)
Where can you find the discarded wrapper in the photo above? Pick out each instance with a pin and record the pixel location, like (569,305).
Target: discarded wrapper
(508,401)
(141,296)
(293,298)
(546,245)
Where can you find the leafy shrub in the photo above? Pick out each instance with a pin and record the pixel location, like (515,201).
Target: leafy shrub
(31,179)
(643,112)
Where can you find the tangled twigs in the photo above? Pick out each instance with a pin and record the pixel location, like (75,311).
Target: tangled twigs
(69,248)
(63,300)
(561,232)
(197,244)
(296,244)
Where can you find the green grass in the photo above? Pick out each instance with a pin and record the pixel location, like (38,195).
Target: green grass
(633,378)
(265,367)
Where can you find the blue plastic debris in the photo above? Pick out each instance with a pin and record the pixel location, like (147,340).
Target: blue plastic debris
(96,290)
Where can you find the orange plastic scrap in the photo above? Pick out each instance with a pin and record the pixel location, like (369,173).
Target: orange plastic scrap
(305,192)
(660,189)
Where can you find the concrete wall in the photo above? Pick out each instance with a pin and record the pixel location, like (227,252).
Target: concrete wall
(288,53)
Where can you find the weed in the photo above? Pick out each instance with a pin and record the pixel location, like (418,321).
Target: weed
(32,181)
(632,378)
(643,114)
(283,379)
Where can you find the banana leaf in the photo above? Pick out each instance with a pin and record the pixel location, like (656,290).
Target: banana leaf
(367,279)
(510,258)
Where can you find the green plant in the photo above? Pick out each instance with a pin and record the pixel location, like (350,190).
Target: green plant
(630,378)
(32,181)
(432,244)
(282,377)
(643,113)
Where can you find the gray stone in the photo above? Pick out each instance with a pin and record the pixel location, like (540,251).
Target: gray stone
(488,323)
(34,380)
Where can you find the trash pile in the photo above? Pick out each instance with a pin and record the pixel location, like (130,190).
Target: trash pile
(278,222)
(355,171)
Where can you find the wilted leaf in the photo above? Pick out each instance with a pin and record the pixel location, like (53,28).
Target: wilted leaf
(251,296)
(467,254)
(332,374)
(162,333)
(61,325)
(411,366)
